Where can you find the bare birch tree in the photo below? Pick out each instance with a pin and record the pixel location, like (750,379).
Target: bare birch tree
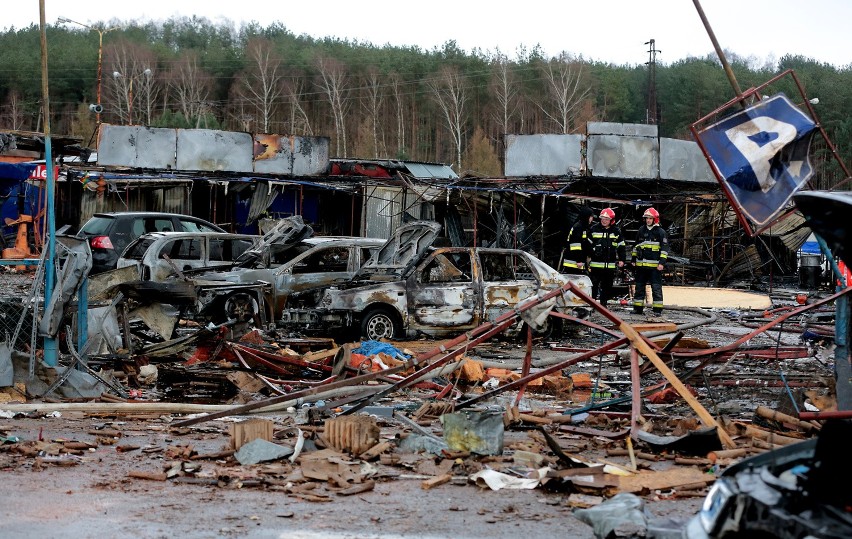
(373,105)
(190,88)
(262,85)
(14,114)
(448,92)
(505,90)
(396,89)
(132,86)
(334,83)
(299,121)
(566,88)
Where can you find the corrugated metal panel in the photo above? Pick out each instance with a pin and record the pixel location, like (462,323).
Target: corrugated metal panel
(543,155)
(617,156)
(430,170)
(139,195)
(382,211)
(291,155)
(628,130)
(385,209)
(793,235)
(682,160)
(210,150)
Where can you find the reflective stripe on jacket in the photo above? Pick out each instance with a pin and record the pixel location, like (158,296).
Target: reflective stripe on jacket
(652,247)
(608,247)
(579,247)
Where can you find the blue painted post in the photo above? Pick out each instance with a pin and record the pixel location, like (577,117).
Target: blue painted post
(841,305)
(50,344)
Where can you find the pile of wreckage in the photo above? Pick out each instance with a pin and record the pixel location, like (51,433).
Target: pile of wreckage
(610,410)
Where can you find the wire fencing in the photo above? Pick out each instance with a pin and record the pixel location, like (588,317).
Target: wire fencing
(17,299)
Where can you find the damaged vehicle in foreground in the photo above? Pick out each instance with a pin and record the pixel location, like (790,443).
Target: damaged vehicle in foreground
(795,492)
(410,288)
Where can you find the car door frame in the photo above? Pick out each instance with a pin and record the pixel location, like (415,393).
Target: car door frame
(422,295)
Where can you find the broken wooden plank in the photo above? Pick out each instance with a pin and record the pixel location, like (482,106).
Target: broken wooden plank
(672,478)
(358,489)
(149,476)
(639,343)
(775,415)
(436,481)
(654,326)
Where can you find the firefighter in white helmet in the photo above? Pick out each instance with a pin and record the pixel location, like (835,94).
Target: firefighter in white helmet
(649,255)
(608,254)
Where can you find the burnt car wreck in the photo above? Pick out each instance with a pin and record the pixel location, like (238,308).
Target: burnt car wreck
(410,288)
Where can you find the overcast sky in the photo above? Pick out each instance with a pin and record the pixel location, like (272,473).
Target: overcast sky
(605,30)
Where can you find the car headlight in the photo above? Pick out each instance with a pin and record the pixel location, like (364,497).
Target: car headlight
(714,504)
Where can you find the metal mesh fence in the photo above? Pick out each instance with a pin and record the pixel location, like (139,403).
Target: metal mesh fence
(16,308)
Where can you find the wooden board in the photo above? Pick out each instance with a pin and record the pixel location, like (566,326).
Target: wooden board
(720,298)
(662,480)
(654,326)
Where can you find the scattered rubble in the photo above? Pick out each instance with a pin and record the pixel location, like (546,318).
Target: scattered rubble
(616,408)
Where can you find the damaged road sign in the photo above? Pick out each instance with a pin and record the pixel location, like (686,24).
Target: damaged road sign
(761,155)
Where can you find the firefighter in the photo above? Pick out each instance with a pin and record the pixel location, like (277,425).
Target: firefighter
(649,255)
(578,246)
(608,254)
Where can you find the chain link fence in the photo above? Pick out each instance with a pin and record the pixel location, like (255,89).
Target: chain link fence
(16,308)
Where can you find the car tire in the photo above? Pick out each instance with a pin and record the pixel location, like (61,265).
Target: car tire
(241,307)
(380,323)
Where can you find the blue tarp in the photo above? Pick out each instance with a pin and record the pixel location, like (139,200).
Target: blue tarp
(371,348)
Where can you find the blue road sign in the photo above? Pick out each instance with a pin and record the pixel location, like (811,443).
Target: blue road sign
(762,154)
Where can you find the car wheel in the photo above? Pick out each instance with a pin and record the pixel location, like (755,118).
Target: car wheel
(380,324)
(241,307)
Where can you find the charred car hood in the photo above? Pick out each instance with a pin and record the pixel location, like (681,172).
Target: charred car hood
(284,235)
(402,251)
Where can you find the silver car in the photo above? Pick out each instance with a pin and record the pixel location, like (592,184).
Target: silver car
(161,255)
(409,288)
(312,265)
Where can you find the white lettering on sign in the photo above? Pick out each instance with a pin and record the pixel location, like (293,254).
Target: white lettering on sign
(759,140)
(40,173)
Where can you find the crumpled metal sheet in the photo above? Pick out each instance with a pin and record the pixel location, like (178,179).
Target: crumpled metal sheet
(78,263)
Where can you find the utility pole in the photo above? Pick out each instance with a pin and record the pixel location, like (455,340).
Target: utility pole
(98,105)
(651,113)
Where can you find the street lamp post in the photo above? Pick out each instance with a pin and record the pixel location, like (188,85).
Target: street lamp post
(146,89)
(98,106)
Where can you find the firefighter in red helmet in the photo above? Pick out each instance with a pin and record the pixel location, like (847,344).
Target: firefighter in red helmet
(608,254)
(649,255)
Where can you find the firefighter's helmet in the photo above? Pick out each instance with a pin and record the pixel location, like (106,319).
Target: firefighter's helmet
(651,212)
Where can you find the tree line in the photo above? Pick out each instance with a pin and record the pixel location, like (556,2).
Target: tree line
(444,105)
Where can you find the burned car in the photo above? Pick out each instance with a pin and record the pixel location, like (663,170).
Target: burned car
(287,261)
(408,287)
(316,264)
(160,255)
(797,491)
